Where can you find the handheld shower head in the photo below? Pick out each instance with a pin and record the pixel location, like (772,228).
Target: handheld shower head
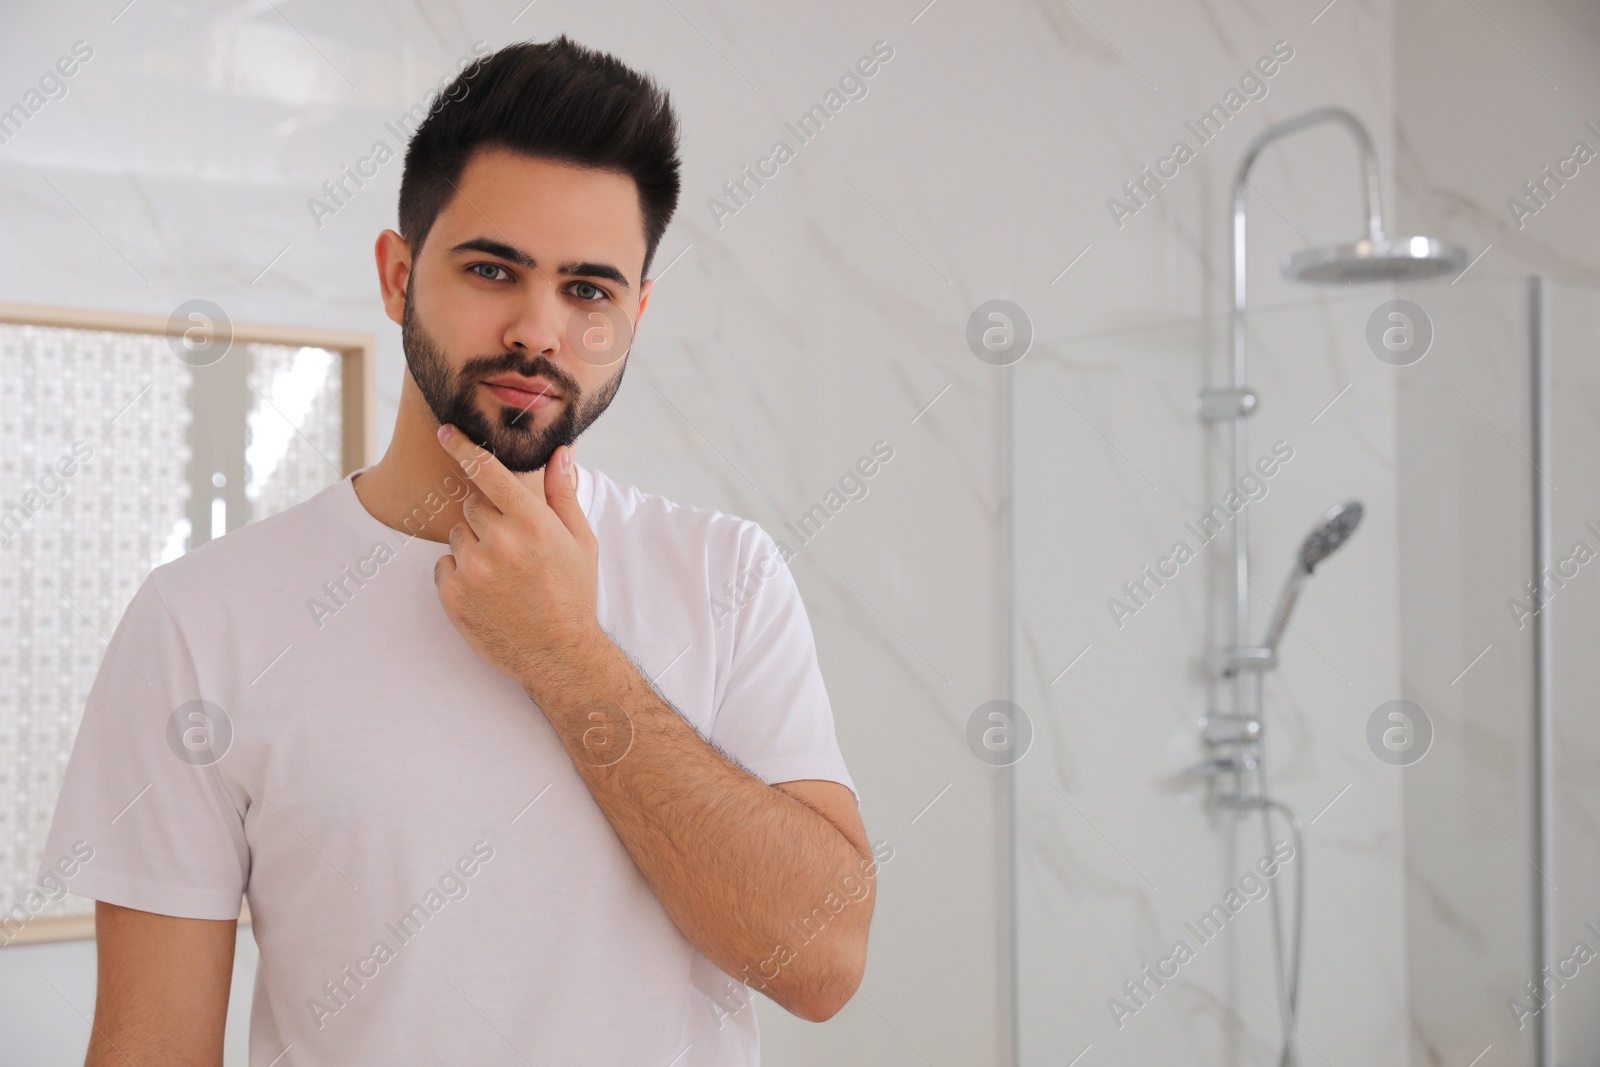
(1337,526)
(1323,541)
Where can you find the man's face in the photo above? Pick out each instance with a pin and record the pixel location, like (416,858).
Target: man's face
(520,309)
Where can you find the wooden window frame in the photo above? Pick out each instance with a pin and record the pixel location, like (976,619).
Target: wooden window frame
(357,353)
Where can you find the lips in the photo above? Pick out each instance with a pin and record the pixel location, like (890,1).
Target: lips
(531,386)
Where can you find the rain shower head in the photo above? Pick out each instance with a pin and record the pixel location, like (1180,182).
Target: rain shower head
(1375,257)
(1336,528)
(1384,259)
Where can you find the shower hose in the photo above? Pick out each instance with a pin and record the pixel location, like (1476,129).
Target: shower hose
(1287,970)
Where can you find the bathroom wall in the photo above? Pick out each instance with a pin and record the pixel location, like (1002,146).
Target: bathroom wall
(1467,522)
(1486,101)
(1472,859)
(1118,857)
(1418,903)
(1116,851)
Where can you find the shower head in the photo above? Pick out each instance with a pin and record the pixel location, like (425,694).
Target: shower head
(1337,526)
(1380,259)
(1323,541)
(1375,257)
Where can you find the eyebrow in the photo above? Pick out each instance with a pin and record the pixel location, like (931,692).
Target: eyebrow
(522,259)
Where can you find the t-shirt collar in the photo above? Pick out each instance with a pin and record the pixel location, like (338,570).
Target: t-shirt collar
(347,489)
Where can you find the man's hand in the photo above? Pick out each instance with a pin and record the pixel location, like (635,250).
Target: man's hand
(736,863)
(522,577)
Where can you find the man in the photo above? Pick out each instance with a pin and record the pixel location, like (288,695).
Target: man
(503,776)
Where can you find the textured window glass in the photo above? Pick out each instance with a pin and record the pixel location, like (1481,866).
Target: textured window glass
(295,433)
(147,438)
(113,409)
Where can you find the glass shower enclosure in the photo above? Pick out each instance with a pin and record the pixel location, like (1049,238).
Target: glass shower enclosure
(1451,889)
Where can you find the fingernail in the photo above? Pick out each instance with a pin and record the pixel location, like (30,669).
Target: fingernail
(444,434)
(566,460)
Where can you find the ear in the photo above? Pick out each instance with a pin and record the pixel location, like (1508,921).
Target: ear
(644,300)
(393,256)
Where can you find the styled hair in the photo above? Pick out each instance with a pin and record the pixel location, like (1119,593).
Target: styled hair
(554,100)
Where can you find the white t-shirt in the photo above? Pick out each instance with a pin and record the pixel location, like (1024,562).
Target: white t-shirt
(429,879)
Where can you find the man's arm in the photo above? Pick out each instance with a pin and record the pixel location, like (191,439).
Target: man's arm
(774,889)
(163,989)
(774,884)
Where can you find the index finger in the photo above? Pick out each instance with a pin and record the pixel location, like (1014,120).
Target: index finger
(485,470)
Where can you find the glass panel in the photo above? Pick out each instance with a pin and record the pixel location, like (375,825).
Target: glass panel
(1418,893)
(1466,482)
(1575,609)
(294,437)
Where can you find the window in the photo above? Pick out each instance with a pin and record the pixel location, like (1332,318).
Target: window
(125,441)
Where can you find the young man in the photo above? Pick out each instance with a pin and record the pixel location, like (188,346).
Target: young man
(503,777)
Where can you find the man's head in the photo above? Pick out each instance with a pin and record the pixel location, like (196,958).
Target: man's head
(533,199)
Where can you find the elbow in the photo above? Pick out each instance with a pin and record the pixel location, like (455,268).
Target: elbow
(840,985)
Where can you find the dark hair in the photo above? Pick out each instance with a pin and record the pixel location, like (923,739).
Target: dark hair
(555,100)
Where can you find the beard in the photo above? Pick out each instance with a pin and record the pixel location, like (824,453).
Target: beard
(510,434)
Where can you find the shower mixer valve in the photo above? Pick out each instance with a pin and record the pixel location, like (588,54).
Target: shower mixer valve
(1229,728)
(1227,662)
(1232,739)
(1216,405)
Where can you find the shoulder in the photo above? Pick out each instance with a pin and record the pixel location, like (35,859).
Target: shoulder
(724,541)
(252,560)
(675,552)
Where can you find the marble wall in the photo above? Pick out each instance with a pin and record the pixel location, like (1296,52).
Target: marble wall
(1117,854)
(1486,103)
(1419,908)
(1118,857)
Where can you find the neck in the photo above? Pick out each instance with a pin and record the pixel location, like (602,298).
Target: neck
(404,489)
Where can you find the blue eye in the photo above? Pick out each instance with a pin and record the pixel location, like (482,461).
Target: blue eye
(479,268)
(599,293)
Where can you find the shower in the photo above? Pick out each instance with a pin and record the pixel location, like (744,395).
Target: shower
(1234,737)
(1320,543)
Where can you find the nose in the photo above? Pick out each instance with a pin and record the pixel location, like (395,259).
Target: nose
(540,320)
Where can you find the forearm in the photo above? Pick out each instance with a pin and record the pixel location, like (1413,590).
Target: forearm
(747,872)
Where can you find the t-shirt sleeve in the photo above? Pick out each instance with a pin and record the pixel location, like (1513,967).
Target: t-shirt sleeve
(774,716)
(143,794)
